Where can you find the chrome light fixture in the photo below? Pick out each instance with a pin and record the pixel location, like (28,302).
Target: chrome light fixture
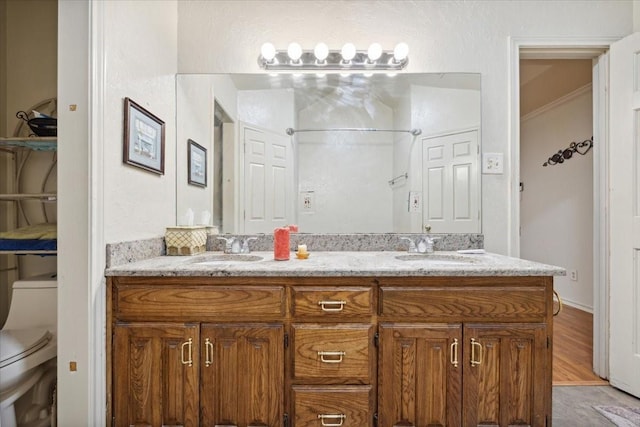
(348,58)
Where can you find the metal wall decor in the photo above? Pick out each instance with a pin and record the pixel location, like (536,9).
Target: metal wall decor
(575,147)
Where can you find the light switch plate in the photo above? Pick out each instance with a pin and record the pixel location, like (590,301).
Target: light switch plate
(307,201)
(492,163)
(415,201)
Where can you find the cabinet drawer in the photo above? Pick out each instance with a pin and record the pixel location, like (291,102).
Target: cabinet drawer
(329,353)
(202,302)
(332,302)
(513,303)
(341,406)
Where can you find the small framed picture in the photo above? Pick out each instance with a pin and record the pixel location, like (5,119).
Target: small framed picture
(143,138)
(197,164)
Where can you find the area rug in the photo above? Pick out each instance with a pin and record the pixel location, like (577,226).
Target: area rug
(621,416)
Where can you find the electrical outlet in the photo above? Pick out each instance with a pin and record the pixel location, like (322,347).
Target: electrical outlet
(573,275)
(307,199)
(415,201)
(492,163)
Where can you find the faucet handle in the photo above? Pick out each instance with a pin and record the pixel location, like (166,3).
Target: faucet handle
(245,244)
(228,243)
(412,245)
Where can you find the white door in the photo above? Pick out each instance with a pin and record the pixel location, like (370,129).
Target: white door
(268,179)
(624,199)
(450,182)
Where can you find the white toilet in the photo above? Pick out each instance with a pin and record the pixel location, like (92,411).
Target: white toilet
(28,348)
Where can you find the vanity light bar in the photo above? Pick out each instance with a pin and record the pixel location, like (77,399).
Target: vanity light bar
(321,58)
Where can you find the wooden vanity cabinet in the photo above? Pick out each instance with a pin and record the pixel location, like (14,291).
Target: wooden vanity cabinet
(329,351)
(194,351)
(155,375)
(465,352)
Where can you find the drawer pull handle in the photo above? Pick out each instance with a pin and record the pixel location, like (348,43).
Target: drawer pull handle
(331,356)
(332,306)
(208,361)
(340,417)
(189,345)
(454,353)
(474,344)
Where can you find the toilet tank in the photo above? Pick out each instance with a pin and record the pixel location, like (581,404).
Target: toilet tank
(34,303)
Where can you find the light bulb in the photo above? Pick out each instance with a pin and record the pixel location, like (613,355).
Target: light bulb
(348,52)
(268,52)
(295,51)
(400,52)
(321,51)
(374,52)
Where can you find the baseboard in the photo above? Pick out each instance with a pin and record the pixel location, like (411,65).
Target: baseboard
(577,305)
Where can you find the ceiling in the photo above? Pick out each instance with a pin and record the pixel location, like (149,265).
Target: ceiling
(545,80)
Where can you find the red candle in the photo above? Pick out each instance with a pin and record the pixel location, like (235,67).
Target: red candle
(281,248)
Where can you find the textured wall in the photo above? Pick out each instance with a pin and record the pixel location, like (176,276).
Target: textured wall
(141,64)
(444,36)
(557,201)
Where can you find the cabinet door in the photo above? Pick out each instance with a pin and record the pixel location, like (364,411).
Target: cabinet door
(155,374)
(505,375)
(420,375)
(242,376)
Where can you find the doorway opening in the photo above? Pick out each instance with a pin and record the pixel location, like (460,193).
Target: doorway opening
(556,199)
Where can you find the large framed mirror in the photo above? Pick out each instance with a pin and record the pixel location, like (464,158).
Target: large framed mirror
(332,153)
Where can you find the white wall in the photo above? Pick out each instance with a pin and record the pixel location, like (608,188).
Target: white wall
(141,65)
(556,207)
(195,116)
(443,37)
(107,50)
(346,171)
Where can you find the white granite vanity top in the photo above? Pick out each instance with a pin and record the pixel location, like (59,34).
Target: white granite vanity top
(379,263)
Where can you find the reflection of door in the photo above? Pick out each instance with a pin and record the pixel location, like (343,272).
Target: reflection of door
(624,350)
(450,182)
(268,179)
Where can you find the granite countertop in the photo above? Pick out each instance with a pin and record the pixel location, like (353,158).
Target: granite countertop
(319,264)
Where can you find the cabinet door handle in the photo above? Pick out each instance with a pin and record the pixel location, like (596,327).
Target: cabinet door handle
(332,306)
(331,356)
(340,417)
(208,355)
(474,344)
(225,425)
(454,353)
(189,345)
(557,295)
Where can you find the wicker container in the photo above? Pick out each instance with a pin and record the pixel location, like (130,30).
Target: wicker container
(186,240)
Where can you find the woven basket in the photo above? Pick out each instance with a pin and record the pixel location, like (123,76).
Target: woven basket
(186,240)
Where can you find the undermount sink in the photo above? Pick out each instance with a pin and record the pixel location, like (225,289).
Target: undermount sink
(226,258)
(440,259)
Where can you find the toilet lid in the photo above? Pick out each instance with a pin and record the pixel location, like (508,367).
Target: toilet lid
(16,344)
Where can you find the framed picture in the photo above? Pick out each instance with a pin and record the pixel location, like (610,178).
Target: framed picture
(197,164)
(143,138)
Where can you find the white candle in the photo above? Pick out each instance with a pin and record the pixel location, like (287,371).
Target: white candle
(302,249)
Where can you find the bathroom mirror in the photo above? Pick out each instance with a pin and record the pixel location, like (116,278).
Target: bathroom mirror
(332,153)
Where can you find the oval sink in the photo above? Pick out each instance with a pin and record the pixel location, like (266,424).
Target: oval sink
(226,258)
(441,259)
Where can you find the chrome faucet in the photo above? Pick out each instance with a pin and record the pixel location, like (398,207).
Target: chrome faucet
(422,245)
(425,244)
(245,245)
(412,245)
(231,245)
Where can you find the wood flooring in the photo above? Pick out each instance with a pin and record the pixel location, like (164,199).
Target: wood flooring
(573,348)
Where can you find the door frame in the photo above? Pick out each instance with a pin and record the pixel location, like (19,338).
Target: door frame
(568,48)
